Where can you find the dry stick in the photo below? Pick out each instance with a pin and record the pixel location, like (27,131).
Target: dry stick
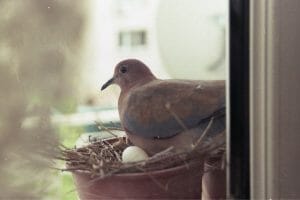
(204,133)
(179,121)
(128,166)
(165,157)
(217,141)
(162,153)
(157,157)
(115,129)
(113,150)
(106,129)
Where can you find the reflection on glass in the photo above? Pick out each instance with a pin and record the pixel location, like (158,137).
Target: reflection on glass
(55,55)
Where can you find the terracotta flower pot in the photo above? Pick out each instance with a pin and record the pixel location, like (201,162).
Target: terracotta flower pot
(182,182)
(214,180)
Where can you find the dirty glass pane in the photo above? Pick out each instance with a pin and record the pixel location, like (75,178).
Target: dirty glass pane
(56,55)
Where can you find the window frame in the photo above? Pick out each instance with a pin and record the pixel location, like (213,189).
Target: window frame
(238,172)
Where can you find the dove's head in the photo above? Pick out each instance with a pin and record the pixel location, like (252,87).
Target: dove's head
(129,73)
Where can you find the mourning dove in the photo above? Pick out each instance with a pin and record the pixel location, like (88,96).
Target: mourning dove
(157,114)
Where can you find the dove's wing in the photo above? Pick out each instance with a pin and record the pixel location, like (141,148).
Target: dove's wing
(162,109)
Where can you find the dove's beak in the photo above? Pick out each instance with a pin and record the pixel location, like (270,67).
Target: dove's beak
(108,83)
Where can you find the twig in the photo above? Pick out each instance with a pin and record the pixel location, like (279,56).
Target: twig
(204,133)
(106,129)
(115,129)
(162,152)
(179,121)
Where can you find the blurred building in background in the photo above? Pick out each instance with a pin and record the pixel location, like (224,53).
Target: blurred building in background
(177,39)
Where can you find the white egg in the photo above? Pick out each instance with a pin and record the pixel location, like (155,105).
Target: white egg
(133,154)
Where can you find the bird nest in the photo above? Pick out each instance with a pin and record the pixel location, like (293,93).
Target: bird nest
(103,157)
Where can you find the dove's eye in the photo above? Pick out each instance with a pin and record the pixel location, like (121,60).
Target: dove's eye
(123,69)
